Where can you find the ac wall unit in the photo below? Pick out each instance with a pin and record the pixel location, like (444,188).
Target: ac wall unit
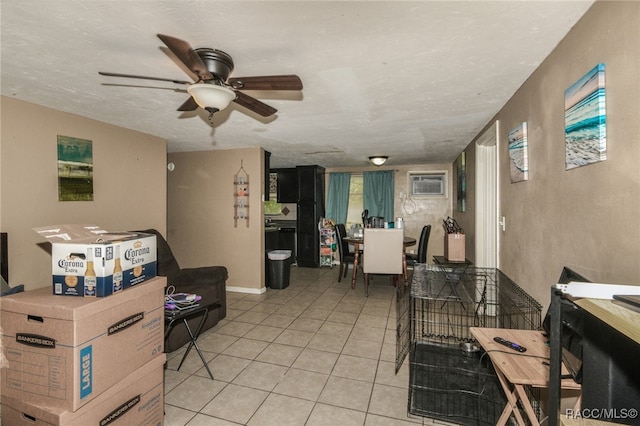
(427,184)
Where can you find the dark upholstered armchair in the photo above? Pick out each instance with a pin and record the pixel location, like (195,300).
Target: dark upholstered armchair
(208,282)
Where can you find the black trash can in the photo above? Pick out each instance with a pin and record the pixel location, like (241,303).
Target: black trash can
(279,268)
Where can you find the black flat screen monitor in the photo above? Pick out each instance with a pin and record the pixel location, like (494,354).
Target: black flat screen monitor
(572,327)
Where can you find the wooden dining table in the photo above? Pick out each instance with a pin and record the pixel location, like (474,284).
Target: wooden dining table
(358,244)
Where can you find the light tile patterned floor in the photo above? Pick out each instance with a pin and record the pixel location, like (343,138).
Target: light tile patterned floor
(315,353)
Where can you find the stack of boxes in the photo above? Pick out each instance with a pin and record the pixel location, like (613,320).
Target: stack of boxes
(88,359)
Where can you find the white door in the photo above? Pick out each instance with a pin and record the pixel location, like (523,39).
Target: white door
(487,198)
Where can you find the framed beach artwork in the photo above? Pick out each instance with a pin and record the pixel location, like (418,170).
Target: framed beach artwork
(585,120)
(75,169)
(518,155)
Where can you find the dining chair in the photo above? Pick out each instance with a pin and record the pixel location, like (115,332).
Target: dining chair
(383,254)
(423,243)
(344,254)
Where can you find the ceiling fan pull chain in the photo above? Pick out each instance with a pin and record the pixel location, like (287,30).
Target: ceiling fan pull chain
(211,112)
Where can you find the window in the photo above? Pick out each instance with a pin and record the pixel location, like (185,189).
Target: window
(356,201)
(427,184)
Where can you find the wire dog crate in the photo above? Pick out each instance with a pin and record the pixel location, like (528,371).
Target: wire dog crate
(449,378)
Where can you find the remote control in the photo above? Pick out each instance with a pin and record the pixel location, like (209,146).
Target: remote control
(514,346)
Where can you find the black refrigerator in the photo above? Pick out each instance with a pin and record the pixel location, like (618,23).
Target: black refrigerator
(310,210)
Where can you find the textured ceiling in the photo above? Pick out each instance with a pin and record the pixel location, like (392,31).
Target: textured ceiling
(411,80)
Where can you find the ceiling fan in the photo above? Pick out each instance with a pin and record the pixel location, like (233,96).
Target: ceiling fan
(214,90)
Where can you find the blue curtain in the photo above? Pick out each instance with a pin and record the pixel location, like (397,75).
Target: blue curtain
(378,194)
(338,196)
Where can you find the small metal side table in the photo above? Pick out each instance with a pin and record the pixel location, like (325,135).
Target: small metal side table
(443,261)
(454,270)
(172,319)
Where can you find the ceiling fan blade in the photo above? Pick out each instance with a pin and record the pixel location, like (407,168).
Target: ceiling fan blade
(188,105)
(113,74)
(187,55)
(267,82)
(254,105)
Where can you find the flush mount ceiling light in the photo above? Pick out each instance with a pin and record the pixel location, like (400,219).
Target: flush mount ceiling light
(378,160)
(211,97)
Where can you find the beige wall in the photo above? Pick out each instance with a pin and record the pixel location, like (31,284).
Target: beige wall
(417,211)
(129,182)
(200,214)
(585,218)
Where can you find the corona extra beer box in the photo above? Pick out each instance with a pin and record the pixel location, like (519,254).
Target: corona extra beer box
(63,352)
(136,400)
(89,261)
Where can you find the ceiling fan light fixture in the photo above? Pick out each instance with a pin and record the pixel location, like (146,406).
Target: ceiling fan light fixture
(210,96)
(378,160)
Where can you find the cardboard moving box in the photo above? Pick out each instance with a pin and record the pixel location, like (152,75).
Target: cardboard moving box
(137,400)
(64,351)
(89,261)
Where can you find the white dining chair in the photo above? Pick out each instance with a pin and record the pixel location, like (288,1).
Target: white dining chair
(382,254)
